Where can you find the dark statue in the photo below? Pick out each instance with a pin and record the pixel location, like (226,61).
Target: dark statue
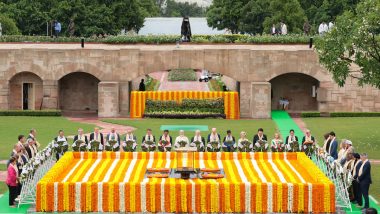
(185,30)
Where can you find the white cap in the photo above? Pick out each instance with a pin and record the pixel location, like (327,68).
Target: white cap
(349,142)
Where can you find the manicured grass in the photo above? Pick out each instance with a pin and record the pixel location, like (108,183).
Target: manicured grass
(3,189)
(3,167)
(182,75)
(47,128)
(236,126)
(364,132)
(375,187)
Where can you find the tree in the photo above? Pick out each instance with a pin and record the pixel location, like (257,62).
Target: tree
(8,26)
(352,47)
(288,11)
(226,14)
(181,9)
(254,14)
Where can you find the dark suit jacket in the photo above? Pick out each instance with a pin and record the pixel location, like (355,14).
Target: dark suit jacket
(286,139)
(101,138)
(171,139)
(357,169)
(143,139)
(118,138)
(365,178)
(256,138)
(304,139)
(202,138)
(76,138)
(208,138)
(233,139)
(27,148)
(334,149)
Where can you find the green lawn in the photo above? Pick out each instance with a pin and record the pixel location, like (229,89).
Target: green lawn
(236,126)
(363,132)
(47,128)
(3,188)
(375,187)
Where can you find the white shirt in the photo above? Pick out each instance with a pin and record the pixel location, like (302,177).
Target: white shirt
(284,29)
(331,25)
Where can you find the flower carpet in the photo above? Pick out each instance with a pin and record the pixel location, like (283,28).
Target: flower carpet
(253,182)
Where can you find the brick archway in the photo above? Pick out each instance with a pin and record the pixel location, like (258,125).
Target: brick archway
(78,67)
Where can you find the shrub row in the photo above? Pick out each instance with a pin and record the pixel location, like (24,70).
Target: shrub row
(37,113)
(310,114)
(355,114)
(166,39)
(184,115)
(182,75)
(341,114)
(187,105)
(216,84)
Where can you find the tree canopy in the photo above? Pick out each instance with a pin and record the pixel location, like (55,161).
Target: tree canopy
(258,16)
(352,47)
(91,17)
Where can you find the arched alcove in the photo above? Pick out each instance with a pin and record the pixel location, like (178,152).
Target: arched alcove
(299,89)
(78,91)
(25,91)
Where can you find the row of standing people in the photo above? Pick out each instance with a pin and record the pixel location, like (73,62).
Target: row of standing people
(356,164)
(25,149)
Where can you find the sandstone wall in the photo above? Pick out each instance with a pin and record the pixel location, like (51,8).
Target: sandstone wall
(252,65)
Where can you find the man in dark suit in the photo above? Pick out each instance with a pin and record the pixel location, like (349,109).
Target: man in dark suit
(291,137)
(364,178)
(355,185)
(229,147)
(213,136)
(96,135)
(259,136)
(81,136)
(333,150)
(198,137)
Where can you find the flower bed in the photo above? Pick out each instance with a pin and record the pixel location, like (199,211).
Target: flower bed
(253,182)
(172,98)
(182,75)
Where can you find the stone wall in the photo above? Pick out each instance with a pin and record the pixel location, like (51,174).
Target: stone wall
(248,64)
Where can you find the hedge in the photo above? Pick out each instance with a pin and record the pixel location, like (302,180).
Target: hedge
(310,114)
(184,115)
(36,113)
(196,106)
(167,39)
(355,114)
(151,84)
(186,74)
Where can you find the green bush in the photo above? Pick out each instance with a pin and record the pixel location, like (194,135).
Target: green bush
(187,105)
(167,39)
(216,84)
(151,84)
(182,75)
(36,113)
(8,25)
(310,114)
(355,114)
